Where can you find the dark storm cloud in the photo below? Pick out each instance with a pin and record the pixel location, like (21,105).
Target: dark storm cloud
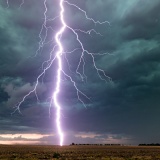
(131,104)
(19,31)
(126,108)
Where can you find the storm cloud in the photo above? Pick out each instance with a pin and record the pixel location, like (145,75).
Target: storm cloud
(123,110)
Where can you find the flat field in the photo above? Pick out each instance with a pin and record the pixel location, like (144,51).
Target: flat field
(78,152)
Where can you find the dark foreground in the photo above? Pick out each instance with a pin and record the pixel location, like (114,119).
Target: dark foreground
(19,152)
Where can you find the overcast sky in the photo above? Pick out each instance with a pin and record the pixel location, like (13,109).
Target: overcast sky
(125,110)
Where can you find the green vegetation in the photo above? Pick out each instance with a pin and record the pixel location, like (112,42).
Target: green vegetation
(56,155)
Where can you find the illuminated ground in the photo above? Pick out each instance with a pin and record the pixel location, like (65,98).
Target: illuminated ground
(28,152)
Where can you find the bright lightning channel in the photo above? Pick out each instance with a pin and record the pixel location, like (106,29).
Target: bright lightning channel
(58,56)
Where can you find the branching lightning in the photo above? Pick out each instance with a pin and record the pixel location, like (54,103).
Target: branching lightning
(21,4)
(7,3)
(57,53)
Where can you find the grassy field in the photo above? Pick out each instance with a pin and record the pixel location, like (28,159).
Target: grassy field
(31,152)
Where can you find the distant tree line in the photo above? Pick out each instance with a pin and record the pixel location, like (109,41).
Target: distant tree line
(97,144)
(151,144)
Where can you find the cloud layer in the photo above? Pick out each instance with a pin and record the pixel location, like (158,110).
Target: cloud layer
(127,108)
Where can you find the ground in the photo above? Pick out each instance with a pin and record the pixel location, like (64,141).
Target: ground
(78,152)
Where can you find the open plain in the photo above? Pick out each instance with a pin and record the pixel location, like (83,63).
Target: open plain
(78,152)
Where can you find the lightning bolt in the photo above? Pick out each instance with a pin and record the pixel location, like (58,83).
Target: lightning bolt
(57,56)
